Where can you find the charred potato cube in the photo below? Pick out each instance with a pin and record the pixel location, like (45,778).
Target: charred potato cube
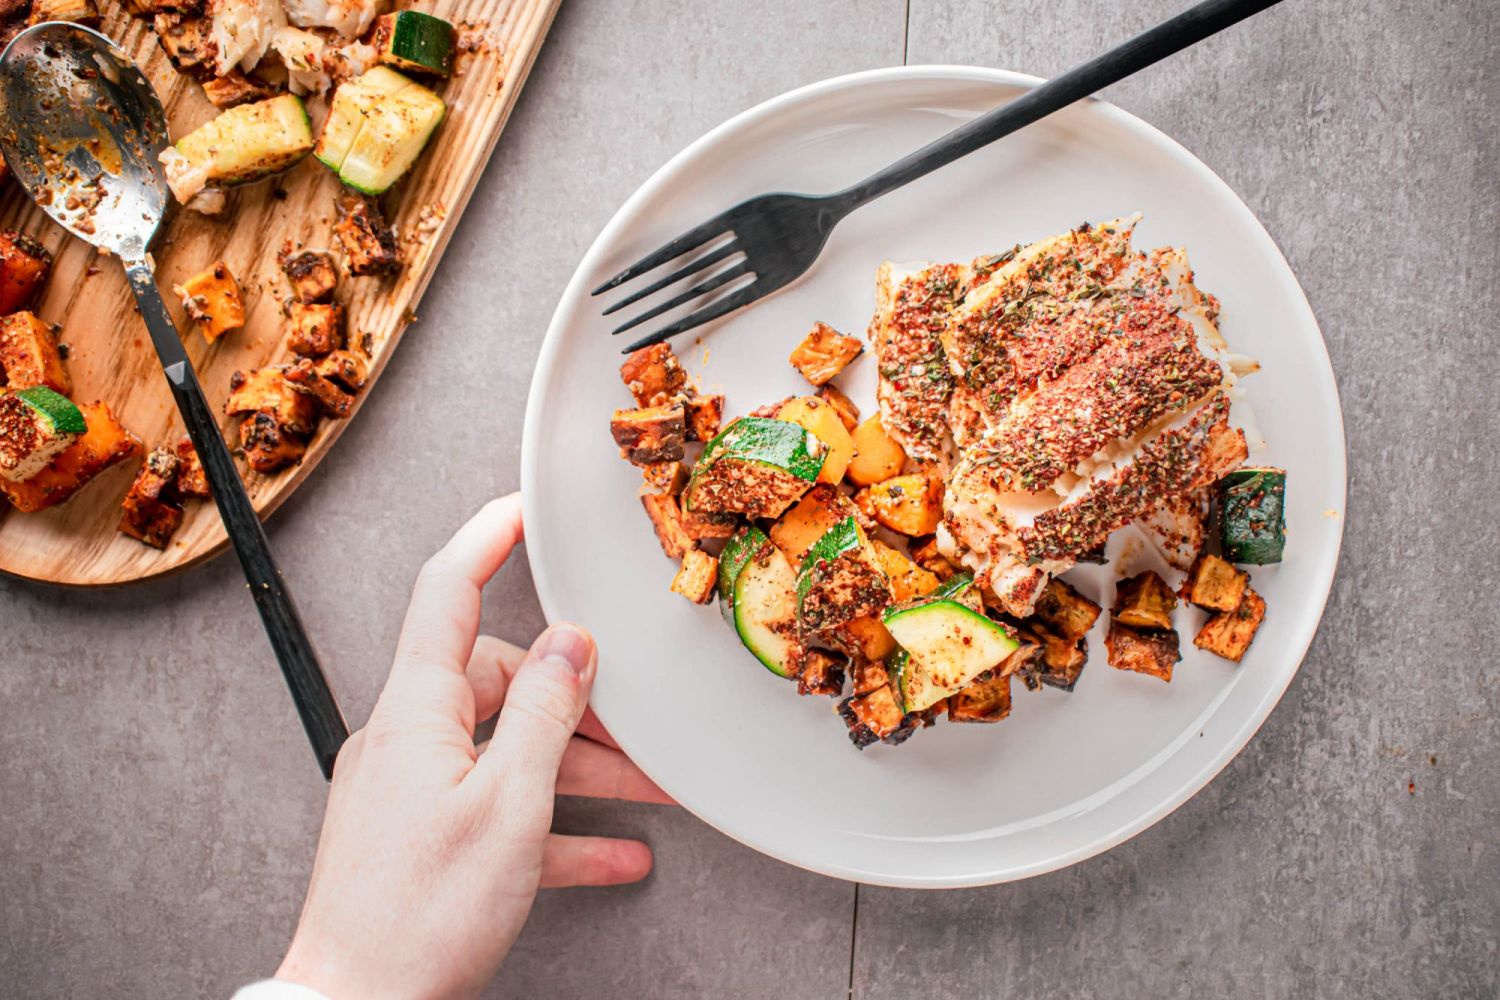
(1067,612)
(874,717)
(821,673)
(311,273)
(1151,653)
(77,11)
(823,353)
(868,675)
(665,477)
(192,481)
(653,375)
(29,354)
(985,699)
(1229,633)
(701,525)
(24,264)
(650,435)
(212,301)
(908,505)
(666,518)
(151,511)
(105,443)
(268,445)
(187,41)
(233,89)
(344,368)
(268,390)
(1058,662)
(1215,584)
(317,327)
(368,242)
(333,400)
(703,414)
(842,405)
(1144,601)
(697,577)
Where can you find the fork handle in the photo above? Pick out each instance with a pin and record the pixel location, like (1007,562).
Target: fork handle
(320,713)
(1171,36)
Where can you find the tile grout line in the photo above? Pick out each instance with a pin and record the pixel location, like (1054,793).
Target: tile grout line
(853,939)
(906,35)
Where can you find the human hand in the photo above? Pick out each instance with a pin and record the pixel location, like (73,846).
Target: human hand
(432,851)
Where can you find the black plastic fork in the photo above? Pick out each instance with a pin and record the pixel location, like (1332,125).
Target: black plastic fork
(777,237)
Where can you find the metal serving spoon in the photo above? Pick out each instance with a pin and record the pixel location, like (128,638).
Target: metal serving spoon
(81,129)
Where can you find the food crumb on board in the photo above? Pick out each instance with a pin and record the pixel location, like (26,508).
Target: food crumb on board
(1330,512)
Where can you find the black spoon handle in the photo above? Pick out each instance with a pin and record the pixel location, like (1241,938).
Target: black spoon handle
(320,713)
(1171,36)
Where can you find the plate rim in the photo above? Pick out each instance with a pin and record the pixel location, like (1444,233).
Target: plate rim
(550,352)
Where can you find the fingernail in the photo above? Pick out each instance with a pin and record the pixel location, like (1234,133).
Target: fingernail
(567,644)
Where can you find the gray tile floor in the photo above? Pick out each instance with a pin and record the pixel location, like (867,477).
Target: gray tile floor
(158,806)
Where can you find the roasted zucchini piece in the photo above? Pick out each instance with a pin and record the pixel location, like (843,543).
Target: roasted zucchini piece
(840,578)
(650,435)
(332,398)
(877,456)
(1144,601)
(697,577)
(103,444)
(1228,634)
(823,353)
(268,390)
(842,405)
(908,505)
(311,273)
(152,512)
(1252,516)
(36,425)
(704,415)
(823,422)
(1215,584)
(24,264)
(269,446)
(666,518)
(757,467)
(317,328)
(192,481)
(984,699)
(821,673)
(665,477)
(809,519)
(1065,611)
(212,301)
(947,643)
(412,40)
(1144,652)
(758,597)
(367,241)
(29,354)
(653,375)
(876,717)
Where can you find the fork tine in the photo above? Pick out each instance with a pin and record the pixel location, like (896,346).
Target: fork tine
(690,240)
(728,304)
(706,260)
(717,281)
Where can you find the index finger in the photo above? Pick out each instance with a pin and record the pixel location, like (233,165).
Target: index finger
(442,620)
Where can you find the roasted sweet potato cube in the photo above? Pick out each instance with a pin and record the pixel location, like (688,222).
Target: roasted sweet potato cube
(821,673)
(874,717)
(1229,633)
(808,519)
(268,445)
(924,552)
(24,264)
(908,580)
(1144,601)
(268,390)
(696,578)
(311,273)
(653,375)
(703,414)
(151,511)
(212,301)
(1058,662)
(29,354)
(823,353)
(908,505)
(877,455)
(1066,612)
(367,241)
(192,481)
(317,327)
(666,518)
(187,41)
(863,637)
(700,525)
(344,368)
(1215,584)
(985,699)
(650,435)
(868,675)
(234,88)
(332,398)
(665,477)
(1144,652)
(842,405)
(104,443)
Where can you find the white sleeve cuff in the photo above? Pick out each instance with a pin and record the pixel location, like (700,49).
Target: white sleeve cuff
(276,989)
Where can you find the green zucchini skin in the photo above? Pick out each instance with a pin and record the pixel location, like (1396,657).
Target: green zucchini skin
(1252,516)
(412,40)
(250,141)
(845,536)
(839,579)
(947,644)
(57,409)
(738,551)
(757,598)
(756,466)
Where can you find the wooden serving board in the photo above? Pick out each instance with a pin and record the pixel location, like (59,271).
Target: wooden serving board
(110,357)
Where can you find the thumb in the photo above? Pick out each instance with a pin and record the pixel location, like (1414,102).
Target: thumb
(543,706)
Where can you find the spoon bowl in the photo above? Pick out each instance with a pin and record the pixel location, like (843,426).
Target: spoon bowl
(82,128)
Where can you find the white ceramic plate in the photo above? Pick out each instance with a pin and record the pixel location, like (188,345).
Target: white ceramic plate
(1067,775)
